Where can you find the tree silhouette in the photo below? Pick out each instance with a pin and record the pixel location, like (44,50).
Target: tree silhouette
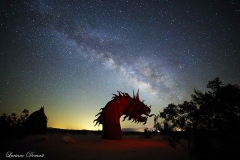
(210,121)
(11,125)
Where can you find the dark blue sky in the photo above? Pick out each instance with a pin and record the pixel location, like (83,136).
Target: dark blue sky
(70,56)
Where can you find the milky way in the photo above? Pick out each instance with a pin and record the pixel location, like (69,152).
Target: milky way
(72,55)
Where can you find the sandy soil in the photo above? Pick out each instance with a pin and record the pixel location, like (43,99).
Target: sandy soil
(131,147)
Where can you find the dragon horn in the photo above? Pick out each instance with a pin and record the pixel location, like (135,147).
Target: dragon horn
(137,96)
(133,95)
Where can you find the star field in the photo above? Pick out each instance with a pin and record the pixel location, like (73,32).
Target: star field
(70,56)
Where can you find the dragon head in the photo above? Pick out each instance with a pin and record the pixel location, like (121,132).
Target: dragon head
(137,111)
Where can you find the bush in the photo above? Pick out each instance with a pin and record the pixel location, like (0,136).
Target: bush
(11,125)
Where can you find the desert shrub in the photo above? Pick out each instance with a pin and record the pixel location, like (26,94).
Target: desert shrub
(11,125)
(147,133)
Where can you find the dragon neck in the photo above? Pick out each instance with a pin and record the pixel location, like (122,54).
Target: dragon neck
(115,109)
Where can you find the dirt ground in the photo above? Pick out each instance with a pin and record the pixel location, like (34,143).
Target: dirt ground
(90,146)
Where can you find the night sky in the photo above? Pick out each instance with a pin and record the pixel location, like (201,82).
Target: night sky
(70,56)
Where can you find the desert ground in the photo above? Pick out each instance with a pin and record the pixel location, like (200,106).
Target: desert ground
(90,146)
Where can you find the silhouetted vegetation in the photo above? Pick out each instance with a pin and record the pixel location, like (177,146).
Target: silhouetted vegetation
(17,126)
(11,125)
(210,122)
(147,133)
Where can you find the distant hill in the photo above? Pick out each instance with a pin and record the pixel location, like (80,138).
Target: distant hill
(140,129)
(84,131)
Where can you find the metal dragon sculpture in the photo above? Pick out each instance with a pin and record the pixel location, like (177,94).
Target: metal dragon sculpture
(121,104)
